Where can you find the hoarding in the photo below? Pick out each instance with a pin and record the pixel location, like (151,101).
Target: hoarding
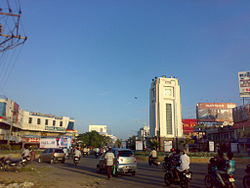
(167,145)
(48,143)
(2,109)
(215,112)
(138,145)
(241,113)
(52,142)
(244,83)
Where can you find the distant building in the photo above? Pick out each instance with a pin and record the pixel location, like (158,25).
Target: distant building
(143,132)
(241,115)
(101,129)
(16,124)
(165,109)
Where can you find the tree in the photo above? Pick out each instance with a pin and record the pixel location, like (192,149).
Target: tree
(94,139)
(154,143)
(118,143)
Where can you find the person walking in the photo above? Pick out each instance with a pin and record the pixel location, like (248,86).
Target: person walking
(109,158)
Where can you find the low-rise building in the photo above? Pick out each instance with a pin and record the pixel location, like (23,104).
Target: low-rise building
(17,124)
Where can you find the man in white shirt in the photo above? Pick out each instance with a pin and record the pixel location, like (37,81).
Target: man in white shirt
(153,157)
(77,153)
(109,157)
(184,164)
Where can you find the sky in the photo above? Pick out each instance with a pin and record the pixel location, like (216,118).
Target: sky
(94,60)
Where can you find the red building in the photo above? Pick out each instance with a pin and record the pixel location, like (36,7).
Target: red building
(188,126)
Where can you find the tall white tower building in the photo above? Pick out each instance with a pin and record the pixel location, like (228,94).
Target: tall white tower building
(165,108)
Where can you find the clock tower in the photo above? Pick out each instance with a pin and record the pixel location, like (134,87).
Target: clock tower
(165,109)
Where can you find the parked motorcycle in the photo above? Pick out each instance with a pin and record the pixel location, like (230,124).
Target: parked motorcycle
(185,178)
(76,160)
(13,163)
(246,179)
(2,164)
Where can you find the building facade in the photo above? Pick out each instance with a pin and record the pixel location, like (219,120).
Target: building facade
(165,108)
(17,124)
(101,129)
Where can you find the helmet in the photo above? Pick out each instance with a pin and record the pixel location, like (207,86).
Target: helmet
(172,150)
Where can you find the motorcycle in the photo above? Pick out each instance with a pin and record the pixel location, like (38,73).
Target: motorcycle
(84,154)
(13,163)
(246,179)
(76,160)
(185,177)
(25,160)
(211,180)
(153,161)
(2,164)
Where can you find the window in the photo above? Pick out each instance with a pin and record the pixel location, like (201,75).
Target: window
(38,121)
(169,118)
(30,120)
(54,122)
(61,123)
(46,122)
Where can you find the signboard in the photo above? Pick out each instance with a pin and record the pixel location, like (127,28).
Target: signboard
(53,128)
(167,145)
(31,140)
(65,142)
(214,112)
(2,109)
(241,113)
(48,143)
(234,147)
(138,145)
(124,144)
(244,83)
(211,146)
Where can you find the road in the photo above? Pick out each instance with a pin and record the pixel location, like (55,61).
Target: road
(146,176)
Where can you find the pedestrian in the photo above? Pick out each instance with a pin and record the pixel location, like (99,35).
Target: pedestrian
(109,158)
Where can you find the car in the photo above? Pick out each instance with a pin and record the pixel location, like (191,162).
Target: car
(52,155)
(125,162)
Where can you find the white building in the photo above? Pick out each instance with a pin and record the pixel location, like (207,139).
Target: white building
(16,123)
(165,108)
(143,132)
(101,129)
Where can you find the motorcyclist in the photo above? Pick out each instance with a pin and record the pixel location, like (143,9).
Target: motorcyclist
(221,166)
(26,153)
(169,157)
(153,157)
(77,153)
(183,165)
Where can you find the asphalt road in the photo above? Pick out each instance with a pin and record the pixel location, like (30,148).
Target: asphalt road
(146,176)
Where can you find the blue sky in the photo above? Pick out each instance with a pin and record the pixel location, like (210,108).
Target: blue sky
(90,59)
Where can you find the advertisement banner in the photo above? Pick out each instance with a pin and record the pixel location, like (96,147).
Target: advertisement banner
(241,113)
(31,140)
(49,143)
(244,83)
(211,146)
(168,145)
(138,145)
(211,112)
(2,109)
(65,142)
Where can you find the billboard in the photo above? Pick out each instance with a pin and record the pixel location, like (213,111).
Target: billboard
(241,113)
(48,143)
(244,83)
(52,142)
(215,112)
(2,109)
